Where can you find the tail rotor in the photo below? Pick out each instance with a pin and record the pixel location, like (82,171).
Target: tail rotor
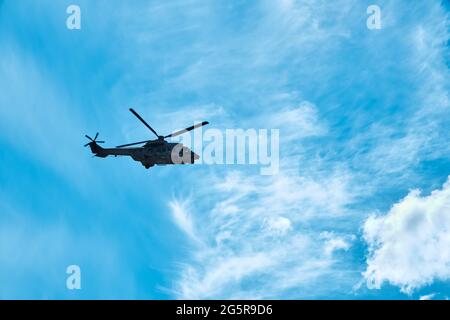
(93,140)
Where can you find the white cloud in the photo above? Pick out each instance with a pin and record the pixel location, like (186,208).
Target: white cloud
(298,122)
(409,246)
(427,296)
(277,225)
(334,242)
(221,273)
(182,216)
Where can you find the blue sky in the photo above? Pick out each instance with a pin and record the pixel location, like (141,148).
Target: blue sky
(363,118)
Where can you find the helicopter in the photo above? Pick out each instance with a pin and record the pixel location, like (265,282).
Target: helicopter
(152,152)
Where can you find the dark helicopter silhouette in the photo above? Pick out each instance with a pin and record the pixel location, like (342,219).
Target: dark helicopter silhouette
(158,151)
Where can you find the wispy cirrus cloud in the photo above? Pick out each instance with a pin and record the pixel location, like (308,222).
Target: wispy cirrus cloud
(182,217)
(427,296)
(261,237)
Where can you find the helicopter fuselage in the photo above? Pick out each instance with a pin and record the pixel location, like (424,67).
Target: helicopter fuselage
(152,153)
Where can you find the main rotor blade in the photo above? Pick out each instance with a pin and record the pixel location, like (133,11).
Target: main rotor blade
(132,144)
(143,121)
(96,136)
(88,137)
(177,133)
